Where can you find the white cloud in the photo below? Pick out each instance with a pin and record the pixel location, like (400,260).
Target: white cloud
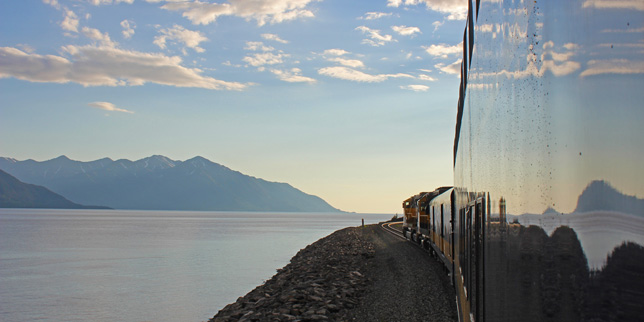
(263,11)
(70,23)
(257,45)
(265,58)
(274,37)
(633,30)
(357,76)
(102,2)
(229,64)
(101,38)
(613,66)
(292,76)
(453,68)
(107,106)
(416,88)
(128,29)
(53,3)
(455,9)
(394,3)
(374,15)
(426,78)
(571,46)
(406,31)
(443,50)
(485,27)
(557,63)
(437,24)
(376,38)
(179,34)
(614,4)
(105,66)
(347,62)
(335,52)
(26,48)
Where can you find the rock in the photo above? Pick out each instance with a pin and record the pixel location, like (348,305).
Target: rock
(314,286)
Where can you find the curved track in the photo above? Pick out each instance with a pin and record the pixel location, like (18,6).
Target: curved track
(396,232)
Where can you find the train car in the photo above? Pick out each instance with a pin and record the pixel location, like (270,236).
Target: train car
(548,176)
(411,216)
(546,214)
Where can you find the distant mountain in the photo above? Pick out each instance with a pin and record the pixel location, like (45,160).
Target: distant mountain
(17,194)
(158,183)
(600,195)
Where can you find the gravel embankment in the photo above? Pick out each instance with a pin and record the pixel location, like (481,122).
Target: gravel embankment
(354,274)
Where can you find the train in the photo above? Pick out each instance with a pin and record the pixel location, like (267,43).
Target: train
(544,220)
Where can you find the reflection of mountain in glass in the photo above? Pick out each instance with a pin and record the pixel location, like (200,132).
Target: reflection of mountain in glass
(604,219)
(536,277)
(600,195)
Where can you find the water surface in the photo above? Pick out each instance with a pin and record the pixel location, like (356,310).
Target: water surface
(100,265)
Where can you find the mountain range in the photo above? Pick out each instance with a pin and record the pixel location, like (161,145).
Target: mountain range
(600,195)
(159,183)
(17,194)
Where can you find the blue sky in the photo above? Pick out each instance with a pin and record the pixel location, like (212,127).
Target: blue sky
(353,101)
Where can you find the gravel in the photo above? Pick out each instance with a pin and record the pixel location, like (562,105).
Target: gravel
(354,274)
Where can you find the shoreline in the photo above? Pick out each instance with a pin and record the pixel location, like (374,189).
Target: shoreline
(321,282)
(353,274)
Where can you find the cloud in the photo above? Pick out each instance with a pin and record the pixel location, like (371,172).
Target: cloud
(453,68)
(263,11)
(374,15)
(265,58)
(107,106)
(257,45)
(443,50)
(426,78)
(614,4)
(376,38)
(292,76)
(106,66)
(70,23)
(347,62)
(630,30)
(357,76)
(613,66)
(557,63)
(179,34)
(416,88)
(274,37)
(455,9)
(128,30)
(101,2)
(53,3)
(335,52)
(484,27)
(406,31)
(101,38)
(437,24)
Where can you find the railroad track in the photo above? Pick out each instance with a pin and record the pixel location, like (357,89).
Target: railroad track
(387,227)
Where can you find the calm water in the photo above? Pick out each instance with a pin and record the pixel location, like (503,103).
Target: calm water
(113,265)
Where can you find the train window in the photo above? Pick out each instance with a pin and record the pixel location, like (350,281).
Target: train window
(433,219)
(442,223)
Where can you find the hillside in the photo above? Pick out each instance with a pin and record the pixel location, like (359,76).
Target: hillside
(17,194)
(600,195)
(159,183)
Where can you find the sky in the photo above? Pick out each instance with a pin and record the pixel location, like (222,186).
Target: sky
(352,101)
